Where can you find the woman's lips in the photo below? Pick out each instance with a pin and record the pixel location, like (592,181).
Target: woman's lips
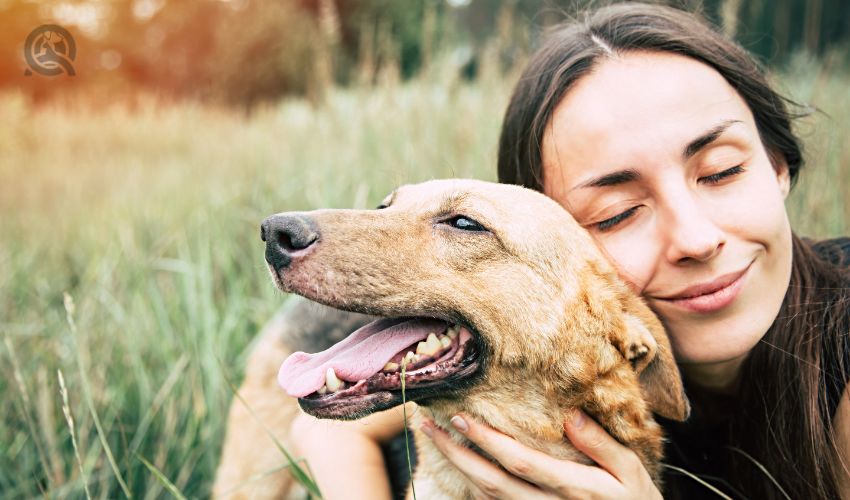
(710,297)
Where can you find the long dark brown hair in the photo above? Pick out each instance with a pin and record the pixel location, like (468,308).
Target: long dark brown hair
(780,419)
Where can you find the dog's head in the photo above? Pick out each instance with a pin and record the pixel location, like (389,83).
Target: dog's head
(479,283)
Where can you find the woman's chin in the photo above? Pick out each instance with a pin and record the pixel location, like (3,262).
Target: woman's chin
(720,340)
(712,348)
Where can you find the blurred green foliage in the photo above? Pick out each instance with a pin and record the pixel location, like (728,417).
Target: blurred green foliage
(247,51)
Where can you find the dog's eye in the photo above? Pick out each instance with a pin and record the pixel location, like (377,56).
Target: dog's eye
(465,223)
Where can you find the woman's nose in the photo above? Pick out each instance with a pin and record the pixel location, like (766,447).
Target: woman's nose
(692,234)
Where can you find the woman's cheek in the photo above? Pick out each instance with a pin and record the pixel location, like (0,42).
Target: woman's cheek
(752,210)
(633,254)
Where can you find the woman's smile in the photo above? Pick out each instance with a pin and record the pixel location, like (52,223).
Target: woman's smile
(712,296)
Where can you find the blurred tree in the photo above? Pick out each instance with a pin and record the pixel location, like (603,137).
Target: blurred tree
(18,20)
(247,51)
(774,29)
(388,32)
(262,50)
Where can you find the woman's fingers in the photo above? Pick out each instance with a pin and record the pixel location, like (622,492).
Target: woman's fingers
(592,440)
(619,473)
(532,465)
(488,479)
(562,477)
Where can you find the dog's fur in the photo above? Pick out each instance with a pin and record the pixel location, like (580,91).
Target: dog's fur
(555,327)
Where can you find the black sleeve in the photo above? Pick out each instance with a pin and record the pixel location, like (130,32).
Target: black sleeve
(836,379)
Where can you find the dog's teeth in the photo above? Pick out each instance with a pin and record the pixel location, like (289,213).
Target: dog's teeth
(453,331)
(322,390)
(421,348)
(429,346)
(408,358)
(390,367)
(445,341)
(434,344)
(334,384)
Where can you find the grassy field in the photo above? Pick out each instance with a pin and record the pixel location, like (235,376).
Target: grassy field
(147,217)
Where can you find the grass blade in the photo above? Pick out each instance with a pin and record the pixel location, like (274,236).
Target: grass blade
(699,480)
(297,472)
(762,468)
(162,479)
(66,409)
(406,442)
(69,317)
(25,406)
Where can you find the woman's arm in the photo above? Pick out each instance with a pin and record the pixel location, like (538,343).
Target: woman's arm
(345,457)
(619,473)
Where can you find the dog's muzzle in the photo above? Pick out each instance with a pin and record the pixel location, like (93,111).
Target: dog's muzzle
(286,236)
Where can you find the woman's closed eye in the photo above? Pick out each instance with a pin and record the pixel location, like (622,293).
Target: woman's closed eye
(610,223)
(613,221)
(719,176)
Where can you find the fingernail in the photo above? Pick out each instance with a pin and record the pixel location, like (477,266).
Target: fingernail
(578,419)
(427,429)
(459,423)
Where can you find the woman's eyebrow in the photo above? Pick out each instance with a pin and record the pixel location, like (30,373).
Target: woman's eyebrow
(629,175)
(612,179)
(707,138)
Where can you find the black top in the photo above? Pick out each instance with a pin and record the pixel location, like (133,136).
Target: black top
(701,445)
(836,251)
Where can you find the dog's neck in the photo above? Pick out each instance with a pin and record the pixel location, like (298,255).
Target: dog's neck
(537,421)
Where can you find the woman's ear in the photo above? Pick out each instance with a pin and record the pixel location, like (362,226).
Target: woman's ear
(783,175)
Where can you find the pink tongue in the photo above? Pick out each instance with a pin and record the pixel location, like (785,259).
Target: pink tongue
(361,355)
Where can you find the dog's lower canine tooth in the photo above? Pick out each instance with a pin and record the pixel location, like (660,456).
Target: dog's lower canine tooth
(334,384)
(408,358)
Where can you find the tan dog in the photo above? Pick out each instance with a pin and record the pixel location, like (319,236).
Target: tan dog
(529,320)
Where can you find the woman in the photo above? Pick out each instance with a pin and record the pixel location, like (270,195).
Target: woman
(664,140)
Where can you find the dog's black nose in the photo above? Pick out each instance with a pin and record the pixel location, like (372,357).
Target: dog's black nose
(285,234)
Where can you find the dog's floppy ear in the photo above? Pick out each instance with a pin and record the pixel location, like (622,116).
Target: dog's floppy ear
(652,359)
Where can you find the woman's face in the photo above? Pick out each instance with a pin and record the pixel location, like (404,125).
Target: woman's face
(659,158)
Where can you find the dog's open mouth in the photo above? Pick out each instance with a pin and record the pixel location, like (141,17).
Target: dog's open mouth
(362,374)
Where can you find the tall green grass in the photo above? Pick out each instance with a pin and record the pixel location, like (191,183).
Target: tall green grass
(147,217)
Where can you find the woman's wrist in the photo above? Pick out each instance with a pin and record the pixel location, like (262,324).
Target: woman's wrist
(345,458)
(344,462)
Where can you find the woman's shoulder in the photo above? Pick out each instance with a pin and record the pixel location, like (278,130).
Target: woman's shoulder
(836,353)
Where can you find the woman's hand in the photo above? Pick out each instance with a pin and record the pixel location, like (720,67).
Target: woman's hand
(345,457)
(533,474)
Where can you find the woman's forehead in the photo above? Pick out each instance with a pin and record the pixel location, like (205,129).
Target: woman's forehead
(638,107)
